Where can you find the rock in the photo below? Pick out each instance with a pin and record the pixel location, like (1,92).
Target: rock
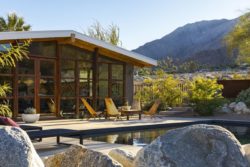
(193,146)
(240,107)
(246,111)
(232,105)
(225,109)
(16,149)
(79,156)
(246,148)
(123,157)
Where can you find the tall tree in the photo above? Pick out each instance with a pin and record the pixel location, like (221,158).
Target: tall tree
(110,34)
(239,38)
(8,58)
(13,23)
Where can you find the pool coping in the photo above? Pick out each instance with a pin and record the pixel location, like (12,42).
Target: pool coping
(104,131)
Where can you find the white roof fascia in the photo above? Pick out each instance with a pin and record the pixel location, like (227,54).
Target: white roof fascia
(68,33)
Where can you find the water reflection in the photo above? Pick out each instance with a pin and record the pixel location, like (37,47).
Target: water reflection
(139,138)
(142,138)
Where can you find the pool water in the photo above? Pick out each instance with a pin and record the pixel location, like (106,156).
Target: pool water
(145,137)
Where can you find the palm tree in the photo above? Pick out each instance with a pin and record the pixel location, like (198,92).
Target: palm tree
(111,34)
(8,58)
(13,23)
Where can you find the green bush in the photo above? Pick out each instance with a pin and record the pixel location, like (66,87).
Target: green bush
(205,95)
(244,96)
(164,87)
(207,107)
(5,109)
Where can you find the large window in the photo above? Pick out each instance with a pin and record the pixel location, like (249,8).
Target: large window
(26,84)
(76,78)
(36,78)
(110,81)
(43,49)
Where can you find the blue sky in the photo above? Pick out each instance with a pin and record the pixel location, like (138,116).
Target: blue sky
(140,21)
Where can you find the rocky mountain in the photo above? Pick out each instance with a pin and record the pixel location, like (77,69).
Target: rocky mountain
(201,41)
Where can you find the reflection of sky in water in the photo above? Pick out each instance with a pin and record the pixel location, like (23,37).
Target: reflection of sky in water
(143,138)
(3,46)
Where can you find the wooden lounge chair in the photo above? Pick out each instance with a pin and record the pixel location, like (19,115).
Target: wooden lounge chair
(112,111)
(92,112)
(152,111)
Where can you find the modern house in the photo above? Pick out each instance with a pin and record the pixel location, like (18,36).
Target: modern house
(64,66)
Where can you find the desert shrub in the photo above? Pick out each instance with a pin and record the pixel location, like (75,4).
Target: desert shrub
(164,87)
(207,107)
(205,95)
(244,96)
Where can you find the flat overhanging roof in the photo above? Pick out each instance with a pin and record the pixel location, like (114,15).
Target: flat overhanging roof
(80,40)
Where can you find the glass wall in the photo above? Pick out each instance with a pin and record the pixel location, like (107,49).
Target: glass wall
(26,84)
(110,81)
(76,78)
(36,83)
(36,78)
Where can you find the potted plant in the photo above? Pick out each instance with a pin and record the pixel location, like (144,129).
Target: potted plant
(126,106)
(30,115)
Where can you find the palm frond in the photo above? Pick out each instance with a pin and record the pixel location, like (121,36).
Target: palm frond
(14,53)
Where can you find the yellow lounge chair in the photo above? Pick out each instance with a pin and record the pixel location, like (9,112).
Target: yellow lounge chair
(112,111)
(152,111)
(92,112)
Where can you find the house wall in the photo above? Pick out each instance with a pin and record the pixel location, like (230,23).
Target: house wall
(51,80)
(129,83)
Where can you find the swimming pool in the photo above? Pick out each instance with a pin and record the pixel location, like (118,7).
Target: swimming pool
(144,137)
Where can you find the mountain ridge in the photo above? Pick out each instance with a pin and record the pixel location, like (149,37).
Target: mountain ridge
(204,38)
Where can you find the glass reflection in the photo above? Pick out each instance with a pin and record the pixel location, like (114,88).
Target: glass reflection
(24,103)
(68,69)
(117,72)
(46,87)
(26,86)
(67,87)
(72,52)
(101,104)
(47,105)
(47,68)
(26,67)
(5,70)
(68,105)
(102,89)
(103,71)
(44,49)
(85,89)
(117,89)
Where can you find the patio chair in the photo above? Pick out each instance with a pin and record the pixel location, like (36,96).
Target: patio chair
(112,111)
(92,112)
(152,111)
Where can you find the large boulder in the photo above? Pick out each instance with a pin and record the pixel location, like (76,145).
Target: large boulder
(232,105)
(246,148)
(16,149)
(123,157)
(79,156)
(240,107)
(193,146)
